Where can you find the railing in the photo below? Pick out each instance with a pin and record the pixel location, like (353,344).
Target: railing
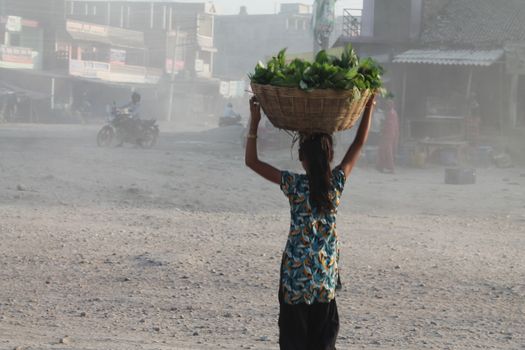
(352,22)
(114,72)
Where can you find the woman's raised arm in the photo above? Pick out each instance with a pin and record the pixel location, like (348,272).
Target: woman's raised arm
(267,171)
(352,155)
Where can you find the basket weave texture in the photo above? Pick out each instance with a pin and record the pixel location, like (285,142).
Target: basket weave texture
(317,111)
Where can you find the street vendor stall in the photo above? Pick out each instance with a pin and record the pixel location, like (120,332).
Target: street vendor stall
(449,97)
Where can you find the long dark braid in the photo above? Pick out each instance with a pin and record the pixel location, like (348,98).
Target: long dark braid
(317,151)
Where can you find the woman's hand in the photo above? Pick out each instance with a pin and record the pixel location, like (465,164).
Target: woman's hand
(267,171)
(352,155)
(255,110)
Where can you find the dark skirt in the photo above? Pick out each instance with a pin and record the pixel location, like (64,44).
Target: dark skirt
(307,327)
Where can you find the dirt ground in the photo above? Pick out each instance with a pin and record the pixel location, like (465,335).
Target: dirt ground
(179,247)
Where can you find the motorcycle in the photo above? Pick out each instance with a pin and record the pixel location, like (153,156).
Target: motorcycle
(122,128)
(230,121)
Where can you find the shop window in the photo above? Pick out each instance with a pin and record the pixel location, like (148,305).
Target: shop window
(139,16)
(14,39)
(114,14)
(62,51)
(135,57)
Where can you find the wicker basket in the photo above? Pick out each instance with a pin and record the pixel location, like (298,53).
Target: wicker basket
(324,111)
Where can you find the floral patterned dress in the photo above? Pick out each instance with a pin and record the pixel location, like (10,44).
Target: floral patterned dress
(309,267)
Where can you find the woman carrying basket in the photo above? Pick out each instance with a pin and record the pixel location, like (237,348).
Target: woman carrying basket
(308,318)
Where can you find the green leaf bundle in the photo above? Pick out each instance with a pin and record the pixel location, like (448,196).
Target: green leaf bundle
(347,72)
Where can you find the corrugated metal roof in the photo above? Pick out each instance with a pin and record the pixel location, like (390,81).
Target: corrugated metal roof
(450,57)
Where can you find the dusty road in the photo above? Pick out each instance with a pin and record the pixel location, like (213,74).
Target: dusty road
(179,248)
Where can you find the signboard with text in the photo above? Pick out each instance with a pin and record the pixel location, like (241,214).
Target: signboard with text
(14,24)
(86,28)
(118,73)
(16,57)
(118,56)
(88,69)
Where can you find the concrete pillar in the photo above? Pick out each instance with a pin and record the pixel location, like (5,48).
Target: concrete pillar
(513,103)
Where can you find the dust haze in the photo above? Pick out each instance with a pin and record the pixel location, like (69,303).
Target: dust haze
(125,238)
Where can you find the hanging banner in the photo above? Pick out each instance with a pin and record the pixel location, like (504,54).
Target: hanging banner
(20,55)
(14,24)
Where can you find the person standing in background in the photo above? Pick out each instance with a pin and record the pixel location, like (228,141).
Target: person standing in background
(472,121)
(389,140)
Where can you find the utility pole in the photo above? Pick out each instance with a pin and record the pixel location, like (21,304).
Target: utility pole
(172,80)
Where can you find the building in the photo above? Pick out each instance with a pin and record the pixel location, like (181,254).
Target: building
(28,81)
(244,39)
(21,43)
(70,51)
(107,53)
(470,50)
(443,57)
(177,38)
(39,19)
(168,27)
(382,29)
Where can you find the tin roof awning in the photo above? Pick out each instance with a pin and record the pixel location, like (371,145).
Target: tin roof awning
(112,36)
(10,89)
(450,57)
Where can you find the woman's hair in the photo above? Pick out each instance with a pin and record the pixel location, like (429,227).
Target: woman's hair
(316,151)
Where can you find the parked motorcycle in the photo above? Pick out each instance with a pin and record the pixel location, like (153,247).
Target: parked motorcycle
(121,128)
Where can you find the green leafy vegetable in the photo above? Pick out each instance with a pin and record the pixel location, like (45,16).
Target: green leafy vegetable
(325,72)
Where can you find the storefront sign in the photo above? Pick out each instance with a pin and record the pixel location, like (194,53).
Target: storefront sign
(88,69)
(86,28)
(118,73)
(17,57)
(118,56)
(13,24)
(515,57)
(199,65)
